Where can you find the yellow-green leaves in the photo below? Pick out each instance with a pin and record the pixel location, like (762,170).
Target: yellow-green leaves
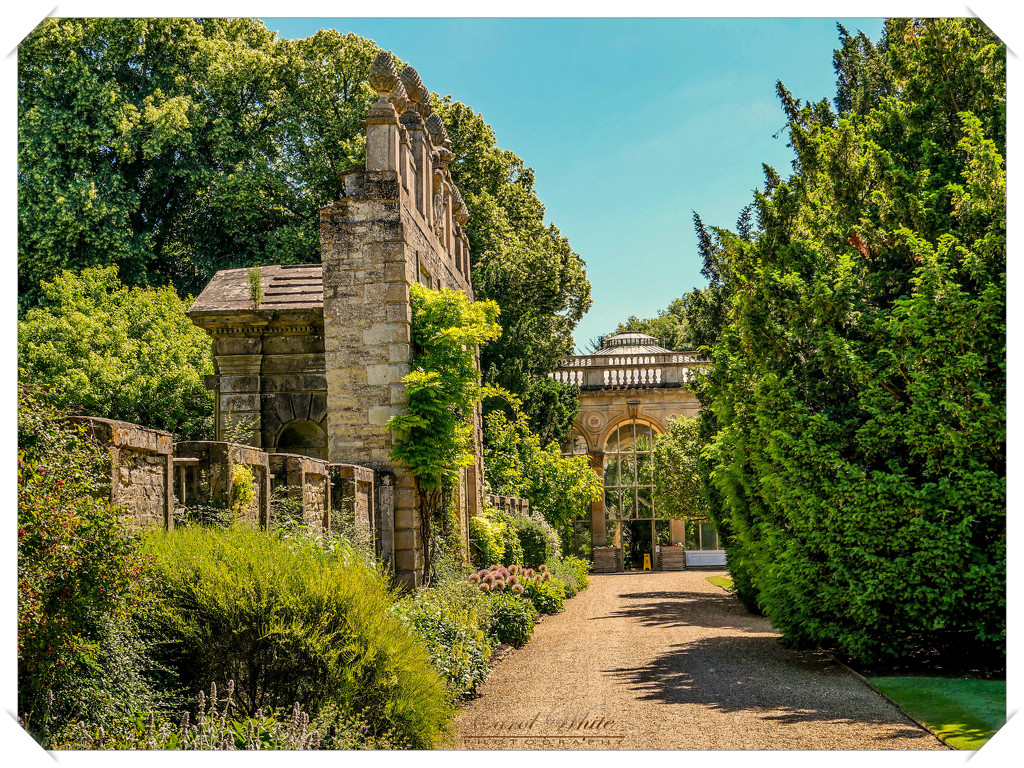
(433,435)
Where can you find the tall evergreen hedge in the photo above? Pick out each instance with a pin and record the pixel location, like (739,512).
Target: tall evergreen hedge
(856,406)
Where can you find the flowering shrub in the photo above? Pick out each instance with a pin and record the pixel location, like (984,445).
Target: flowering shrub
(452,622)
(80,571)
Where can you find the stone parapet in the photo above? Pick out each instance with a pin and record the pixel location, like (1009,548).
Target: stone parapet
(207,476)
(141,471)
(307,481)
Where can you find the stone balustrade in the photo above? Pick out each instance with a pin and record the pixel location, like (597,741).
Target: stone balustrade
(511,504)
(628,371)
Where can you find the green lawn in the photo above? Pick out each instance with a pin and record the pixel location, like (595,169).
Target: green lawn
(963,713)
(721,581)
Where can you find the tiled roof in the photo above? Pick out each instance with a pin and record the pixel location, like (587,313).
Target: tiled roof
(288,286)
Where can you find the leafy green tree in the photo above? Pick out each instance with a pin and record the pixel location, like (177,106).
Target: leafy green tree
(117,352)
(677,487)
(515,463)
(176,147)
(858,385)
(528,268)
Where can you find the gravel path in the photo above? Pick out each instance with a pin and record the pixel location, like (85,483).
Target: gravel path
(670,661)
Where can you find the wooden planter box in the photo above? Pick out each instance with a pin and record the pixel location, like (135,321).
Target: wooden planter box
(607,560)
(673,558)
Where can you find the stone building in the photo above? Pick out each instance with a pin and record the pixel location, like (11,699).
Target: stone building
(315,366)
(630,390)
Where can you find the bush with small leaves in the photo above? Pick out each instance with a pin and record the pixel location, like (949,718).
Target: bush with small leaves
(512,618)
(452,620)
(572,572)
(547,596)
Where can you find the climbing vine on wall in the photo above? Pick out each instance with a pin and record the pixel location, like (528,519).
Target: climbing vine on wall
(434,433)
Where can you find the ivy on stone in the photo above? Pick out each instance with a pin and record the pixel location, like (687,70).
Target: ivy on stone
(434,432)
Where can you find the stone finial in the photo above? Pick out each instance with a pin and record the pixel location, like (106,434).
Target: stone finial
(424,108)
(436,130)
(412,82)
(460,212)
(399,98)
(383,76)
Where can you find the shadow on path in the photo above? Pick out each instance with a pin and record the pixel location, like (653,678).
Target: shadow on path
(732,674)
(687,609)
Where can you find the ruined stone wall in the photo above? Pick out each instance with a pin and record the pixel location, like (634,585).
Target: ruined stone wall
(399,223)
(141,467)
(307,482)
(207,476)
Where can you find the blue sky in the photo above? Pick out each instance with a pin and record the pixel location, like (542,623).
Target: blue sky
(630,124)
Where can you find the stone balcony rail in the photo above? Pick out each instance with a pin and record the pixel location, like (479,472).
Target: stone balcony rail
(628,371)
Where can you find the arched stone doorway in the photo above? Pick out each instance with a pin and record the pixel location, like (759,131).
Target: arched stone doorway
(303,437)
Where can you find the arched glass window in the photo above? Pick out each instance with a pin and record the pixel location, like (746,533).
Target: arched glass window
(629,472)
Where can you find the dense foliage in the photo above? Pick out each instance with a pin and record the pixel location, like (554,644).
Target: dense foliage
(516,464)
(677,487)
(175,147)
(857,399)
(290,621)
(528,268)
(452,620)
(547,596)
(215,727)
(572,572)
(117,352)
(512,619)
(434,431)
(81,578)
(172,148)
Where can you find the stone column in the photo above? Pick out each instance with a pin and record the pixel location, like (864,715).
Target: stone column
(598,535)
(677,529)
(382,141)
(385,503)
(240,398)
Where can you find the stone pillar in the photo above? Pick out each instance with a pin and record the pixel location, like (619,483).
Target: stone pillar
(598,535)
(677,529)
(240,416)
(385,504)
(383,141)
